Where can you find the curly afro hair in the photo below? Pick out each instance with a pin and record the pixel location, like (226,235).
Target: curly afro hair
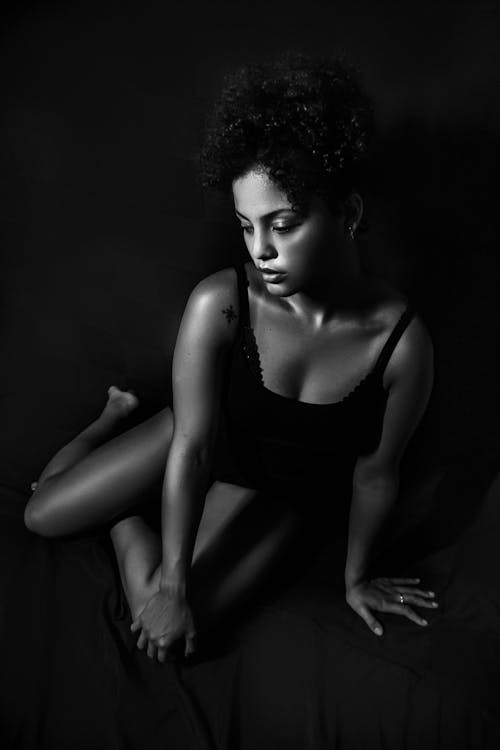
(305,122)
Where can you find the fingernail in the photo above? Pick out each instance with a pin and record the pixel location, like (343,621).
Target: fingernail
(424,622)
(378,631)
(431,593)
(434,604)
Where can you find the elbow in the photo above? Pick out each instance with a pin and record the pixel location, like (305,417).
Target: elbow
(376,478)
(196,456)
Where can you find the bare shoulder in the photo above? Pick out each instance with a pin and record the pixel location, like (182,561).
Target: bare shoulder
(213,304)
(413,355)
(219,287)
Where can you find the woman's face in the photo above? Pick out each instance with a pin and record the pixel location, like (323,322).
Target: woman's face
(291,250)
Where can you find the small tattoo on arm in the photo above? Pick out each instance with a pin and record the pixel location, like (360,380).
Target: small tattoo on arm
(229,313)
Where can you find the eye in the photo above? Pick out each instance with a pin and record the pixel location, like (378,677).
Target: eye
(284,229)
(246,228)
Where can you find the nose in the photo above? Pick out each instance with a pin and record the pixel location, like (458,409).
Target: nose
(262,246)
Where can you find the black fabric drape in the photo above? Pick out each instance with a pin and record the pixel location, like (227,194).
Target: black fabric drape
(302,671)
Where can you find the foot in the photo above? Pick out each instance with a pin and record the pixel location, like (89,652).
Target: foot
(119,404)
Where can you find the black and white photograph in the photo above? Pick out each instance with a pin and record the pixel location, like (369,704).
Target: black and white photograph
(250,375)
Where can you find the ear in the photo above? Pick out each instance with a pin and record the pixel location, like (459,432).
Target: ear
(353,211)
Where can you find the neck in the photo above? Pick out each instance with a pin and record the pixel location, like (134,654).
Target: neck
(340,291)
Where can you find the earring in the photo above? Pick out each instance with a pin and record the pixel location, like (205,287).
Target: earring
(351,231)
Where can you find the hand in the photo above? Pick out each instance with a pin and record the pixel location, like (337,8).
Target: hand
(165,619)
(389,595)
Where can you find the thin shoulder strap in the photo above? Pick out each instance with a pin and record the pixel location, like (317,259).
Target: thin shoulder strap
(393,339)
(243,295)
(249,344)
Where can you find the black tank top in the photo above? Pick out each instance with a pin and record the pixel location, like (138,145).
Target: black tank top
(292,448)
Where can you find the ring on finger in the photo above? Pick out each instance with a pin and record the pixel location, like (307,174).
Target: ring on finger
(401,598)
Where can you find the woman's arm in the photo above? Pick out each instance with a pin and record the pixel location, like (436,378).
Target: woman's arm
(204,338)
(199,361)
(376,477)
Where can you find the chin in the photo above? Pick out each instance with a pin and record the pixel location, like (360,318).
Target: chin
(280,290)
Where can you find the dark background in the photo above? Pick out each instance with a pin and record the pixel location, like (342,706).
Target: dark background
(104,233)
(105,229)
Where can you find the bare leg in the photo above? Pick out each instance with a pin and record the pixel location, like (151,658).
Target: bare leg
(228,561)
(90,481)
(250,568)
(84,486)
(118,406)
(138,553)
(138,547)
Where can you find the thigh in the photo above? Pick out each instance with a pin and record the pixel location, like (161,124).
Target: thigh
(141,533)
(243,538)
(223,505)
(107,482)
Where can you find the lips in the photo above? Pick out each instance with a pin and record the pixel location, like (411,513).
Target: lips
(270,272)
(273,277)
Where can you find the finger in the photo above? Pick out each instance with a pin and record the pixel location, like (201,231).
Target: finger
(162,654)
(403,609)
(387,588)
(142,640)
(370,620)
(135,625)
(398,581)
(416,592)
(417,601)
(385,585)
(425,604)
(151,650)
(190,645)
(403,595)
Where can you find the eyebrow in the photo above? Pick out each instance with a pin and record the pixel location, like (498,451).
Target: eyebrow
(266,216)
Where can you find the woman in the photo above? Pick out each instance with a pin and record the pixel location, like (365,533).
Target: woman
(316,374)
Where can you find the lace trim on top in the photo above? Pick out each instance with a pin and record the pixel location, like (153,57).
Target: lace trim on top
(252,358)
(252,355)
(248,342)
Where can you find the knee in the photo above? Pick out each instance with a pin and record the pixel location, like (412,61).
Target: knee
(168,422)
(37,520)
(162,424)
